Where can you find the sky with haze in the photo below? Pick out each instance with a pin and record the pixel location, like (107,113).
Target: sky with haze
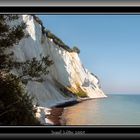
(109,44)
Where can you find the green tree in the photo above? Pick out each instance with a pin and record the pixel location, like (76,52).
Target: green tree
(33,68)
(76,49)
(15,105)
(9,36)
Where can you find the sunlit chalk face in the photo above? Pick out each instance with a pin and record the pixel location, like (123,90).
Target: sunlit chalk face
(109,46)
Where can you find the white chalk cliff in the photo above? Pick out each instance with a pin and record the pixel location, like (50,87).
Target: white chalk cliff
(67,70)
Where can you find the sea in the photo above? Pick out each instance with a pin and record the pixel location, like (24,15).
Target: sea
(116,109)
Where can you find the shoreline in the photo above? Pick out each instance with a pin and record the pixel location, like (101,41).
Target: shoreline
(56,114)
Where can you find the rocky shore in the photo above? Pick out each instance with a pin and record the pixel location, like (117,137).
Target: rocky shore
(55,115)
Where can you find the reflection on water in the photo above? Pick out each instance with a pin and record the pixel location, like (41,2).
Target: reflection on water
(113,110)
(75,115)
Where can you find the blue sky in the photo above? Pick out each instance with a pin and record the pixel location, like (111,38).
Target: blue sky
(109,44)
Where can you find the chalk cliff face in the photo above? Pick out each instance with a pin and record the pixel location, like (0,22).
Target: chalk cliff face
(67,72)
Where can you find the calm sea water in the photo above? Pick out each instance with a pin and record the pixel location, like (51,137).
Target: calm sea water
(113,110)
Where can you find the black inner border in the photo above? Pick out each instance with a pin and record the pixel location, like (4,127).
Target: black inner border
(94,131)
(70,9)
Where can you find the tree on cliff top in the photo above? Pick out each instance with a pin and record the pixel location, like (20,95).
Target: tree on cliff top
(76,49)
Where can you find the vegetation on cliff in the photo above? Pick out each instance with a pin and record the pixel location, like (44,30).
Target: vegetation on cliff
(15,104)
(9,36)
(33,69)
(55,39)
(76,49)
